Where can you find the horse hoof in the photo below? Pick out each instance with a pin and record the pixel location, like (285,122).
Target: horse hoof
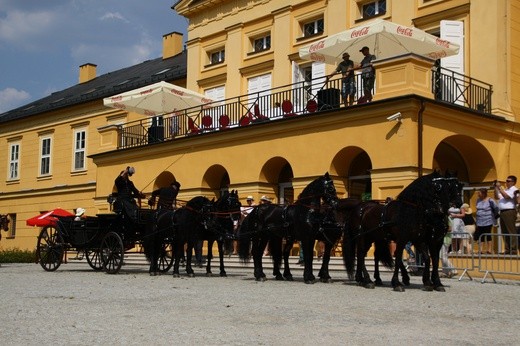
(310,282)
(260,279)
(439,289)
(370,285)
(209,275)
(379,283)
(326,280)
(399,289)
(427,288)
(223,275)
(406,281)
(289,278)
(153,274)
(191,275)
(279,277)
(175,275)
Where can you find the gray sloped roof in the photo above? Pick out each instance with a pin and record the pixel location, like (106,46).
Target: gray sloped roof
(125,79)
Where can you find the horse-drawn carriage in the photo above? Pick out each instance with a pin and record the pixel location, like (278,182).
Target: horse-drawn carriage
(102,239)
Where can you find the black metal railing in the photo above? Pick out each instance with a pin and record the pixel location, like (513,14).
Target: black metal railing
(455,88)
(298,99)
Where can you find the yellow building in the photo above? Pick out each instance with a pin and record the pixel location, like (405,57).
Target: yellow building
(244,53)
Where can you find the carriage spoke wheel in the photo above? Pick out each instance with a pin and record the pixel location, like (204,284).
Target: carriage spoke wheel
(165,260)
(112,253)
(94,259)
(50,249)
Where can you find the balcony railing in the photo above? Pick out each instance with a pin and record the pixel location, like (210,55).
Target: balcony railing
(455,88)
(288,101)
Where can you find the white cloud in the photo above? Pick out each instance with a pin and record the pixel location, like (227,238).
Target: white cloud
(113,15)
(11,98)
(19,27)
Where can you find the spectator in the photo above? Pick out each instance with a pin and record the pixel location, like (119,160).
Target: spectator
(167,196)
(506,204)
(348,89)
(457,228)
(469,229)
(244,211)
(80,214)
(367,73)
(485,220)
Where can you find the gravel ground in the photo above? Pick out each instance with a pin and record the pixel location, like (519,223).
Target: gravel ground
(77,306)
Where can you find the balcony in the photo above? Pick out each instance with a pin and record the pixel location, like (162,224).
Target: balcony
(292,101)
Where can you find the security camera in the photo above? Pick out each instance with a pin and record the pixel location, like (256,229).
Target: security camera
(396,117)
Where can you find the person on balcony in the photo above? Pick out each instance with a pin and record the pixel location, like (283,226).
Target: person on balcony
(367,74)
(348,88)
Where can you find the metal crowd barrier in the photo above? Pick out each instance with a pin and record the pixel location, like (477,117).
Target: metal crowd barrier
(498,262)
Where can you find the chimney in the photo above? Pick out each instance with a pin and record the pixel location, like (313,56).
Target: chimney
(172,44)
(87,72)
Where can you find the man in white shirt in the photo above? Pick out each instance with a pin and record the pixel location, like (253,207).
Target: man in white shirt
(506,204)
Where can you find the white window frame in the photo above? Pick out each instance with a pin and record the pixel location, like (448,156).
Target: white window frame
(45,159)
(220,54)
(377,9)
(264,43)
(315,24)
(14,161)
(79,149)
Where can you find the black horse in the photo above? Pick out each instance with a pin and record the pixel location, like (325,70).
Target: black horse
(219,226)
(422,219)
(370,222)
(157,241)
(306,220)
(187,223)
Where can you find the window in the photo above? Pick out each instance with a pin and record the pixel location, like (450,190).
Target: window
(14,161)
(11,233)
(262,43)
(313,28)
(217,57)
(79,149)
(45,157)
(373,9)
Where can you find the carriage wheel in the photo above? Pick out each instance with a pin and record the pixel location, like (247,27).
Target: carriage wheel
(165,258)
(94,259)
(50,249)
(112,253)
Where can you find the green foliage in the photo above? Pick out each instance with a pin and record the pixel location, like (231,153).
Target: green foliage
(17,256)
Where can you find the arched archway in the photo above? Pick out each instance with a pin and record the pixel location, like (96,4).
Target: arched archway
(216,178)
(354,165)
(278,173)
(464,154)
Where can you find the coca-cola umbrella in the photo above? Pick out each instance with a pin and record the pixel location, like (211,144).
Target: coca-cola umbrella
(383,38)
(157,99)
(48,218)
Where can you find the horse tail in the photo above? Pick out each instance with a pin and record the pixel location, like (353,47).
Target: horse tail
(349,249)
(382,253)
(244,239)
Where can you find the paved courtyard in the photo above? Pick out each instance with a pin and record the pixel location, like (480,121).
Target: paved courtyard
(77,306)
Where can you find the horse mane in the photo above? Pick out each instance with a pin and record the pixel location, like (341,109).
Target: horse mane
(316,184)
(421,191)
(197,202)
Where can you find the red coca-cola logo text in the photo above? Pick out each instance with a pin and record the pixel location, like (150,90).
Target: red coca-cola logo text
(359,33)
(442,43)
(178,92)
(437,55)
(404,31)
(315,46)
(317,57)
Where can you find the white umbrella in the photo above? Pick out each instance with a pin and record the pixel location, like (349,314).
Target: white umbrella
(157,99)
(384,39)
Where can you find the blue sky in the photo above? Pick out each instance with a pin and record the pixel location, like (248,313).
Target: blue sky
(43,42)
